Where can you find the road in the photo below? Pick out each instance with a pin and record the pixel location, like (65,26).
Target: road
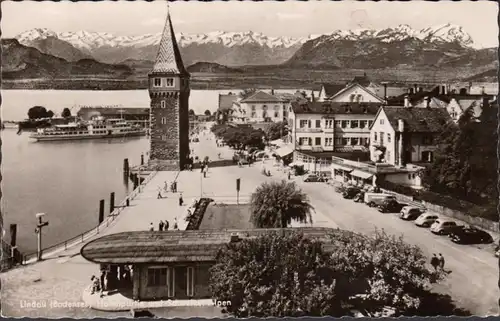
(472,282)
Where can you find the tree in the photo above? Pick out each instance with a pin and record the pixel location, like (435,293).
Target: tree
(38,112)
(247,92)
(276,131)
(191,112)
(208,113)
(394,273)
(276,204)
(66,113)
(275,275)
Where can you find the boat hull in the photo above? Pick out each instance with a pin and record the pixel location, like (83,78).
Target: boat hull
(46,138)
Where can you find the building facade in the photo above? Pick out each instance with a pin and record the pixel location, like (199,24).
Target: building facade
(169,91)
(261,107)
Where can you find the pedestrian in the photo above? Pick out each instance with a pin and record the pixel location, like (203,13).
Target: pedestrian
(165,226)
(175,225)
(151,227)
(175,187)
(159,193)
(102,280)
(160,226)
(172,187)
(181,200)
(165,187)
(95,284)
(289,175)
(441,261)
(434,261)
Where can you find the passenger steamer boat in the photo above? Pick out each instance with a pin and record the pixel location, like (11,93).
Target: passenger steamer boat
(96,128)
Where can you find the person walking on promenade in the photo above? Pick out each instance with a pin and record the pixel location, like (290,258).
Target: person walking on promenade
(165,226)
(160,226)
(95,284)
(181,200)
(159,193)
(441,261)
(434,261)
(175,225)
(102,280)
(165,187)
(175,186)
(151,227)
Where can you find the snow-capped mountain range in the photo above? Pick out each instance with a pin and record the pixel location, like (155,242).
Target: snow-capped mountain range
(226,48)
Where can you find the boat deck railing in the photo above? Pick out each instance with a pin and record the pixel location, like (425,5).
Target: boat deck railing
(82,237)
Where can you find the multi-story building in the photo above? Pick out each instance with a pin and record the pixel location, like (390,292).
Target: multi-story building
(320,130)
(262,107)
(356,93)
(225,105)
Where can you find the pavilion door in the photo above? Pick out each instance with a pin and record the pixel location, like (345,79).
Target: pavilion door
(180,282)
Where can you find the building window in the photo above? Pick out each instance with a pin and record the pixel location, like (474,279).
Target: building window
(351,98)
(284,107)
(310,141)
(318,123)
(163,104)
(328,123)
(388,156)
(362,124)
(253,107)
(345,123)
(190,281)
(375,136)
(370,122)
(427,156)
(381,137)
(355,141)
(317,141)
(381,122)
(303,123)
(329,141)
(157,277)
(388,137)
(264,114)
(277,107)
(285,114)
(276,114)
(345,141)
(366,141)
(264,107)
(359,98)
(338,140)
(169,82)
(354,124)
(163,120)
(338,123)
(157,82)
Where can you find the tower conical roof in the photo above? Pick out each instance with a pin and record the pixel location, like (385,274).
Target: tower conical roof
(168,59)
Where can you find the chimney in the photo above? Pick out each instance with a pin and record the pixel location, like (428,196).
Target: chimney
(272,91)
(385,90)
(427,102)
(470,87)
(482,90)
(401,129)
(407,101)
(420,89)
(415,88)
(313,99)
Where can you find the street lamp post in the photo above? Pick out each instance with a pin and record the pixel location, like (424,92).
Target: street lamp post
(38,231)
(201,184)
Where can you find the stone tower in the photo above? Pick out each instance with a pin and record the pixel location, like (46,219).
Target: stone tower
(169,109)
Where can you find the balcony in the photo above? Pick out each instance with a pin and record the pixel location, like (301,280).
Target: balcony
(309,130)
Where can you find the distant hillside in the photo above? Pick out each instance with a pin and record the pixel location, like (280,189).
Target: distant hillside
(211,67)
(487,76)
(21,62)
(59,48)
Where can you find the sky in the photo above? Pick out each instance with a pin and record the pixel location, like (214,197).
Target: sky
(290,18)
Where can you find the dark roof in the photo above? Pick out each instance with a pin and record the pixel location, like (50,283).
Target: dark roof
(114,111)
(361,80)
(332,89)
(416,119)
(261,96)
(226,101)
(329,107)
(175,246)
(418,96)
(168,58)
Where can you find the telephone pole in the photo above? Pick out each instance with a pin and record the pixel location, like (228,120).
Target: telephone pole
(38,231)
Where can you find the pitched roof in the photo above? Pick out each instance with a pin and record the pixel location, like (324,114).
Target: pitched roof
(417,97)
(354,84)
(329,107)
(418,120)
(176,246)
(226,101)
(168,59)
(332,89)
(261,96)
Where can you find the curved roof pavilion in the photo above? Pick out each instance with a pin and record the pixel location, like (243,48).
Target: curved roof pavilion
(178,246)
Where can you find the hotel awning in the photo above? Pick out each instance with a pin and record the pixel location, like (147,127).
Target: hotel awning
(361,174)
(344,168)
(284,151)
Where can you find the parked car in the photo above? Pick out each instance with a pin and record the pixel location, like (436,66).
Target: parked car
(443,227)
(350,192)
(375,199)
(410,213)
(390,206)
(360,197)
(426,220)
(470,235)
(497,251)
(312,178)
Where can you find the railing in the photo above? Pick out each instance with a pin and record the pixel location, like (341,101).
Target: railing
(82,237)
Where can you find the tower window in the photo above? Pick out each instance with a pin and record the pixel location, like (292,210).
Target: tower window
(157,82)
(169,82)
(162,104)
(163,120)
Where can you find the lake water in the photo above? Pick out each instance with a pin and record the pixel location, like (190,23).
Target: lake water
(66,180)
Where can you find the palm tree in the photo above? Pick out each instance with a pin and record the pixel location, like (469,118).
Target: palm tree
(276,204)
